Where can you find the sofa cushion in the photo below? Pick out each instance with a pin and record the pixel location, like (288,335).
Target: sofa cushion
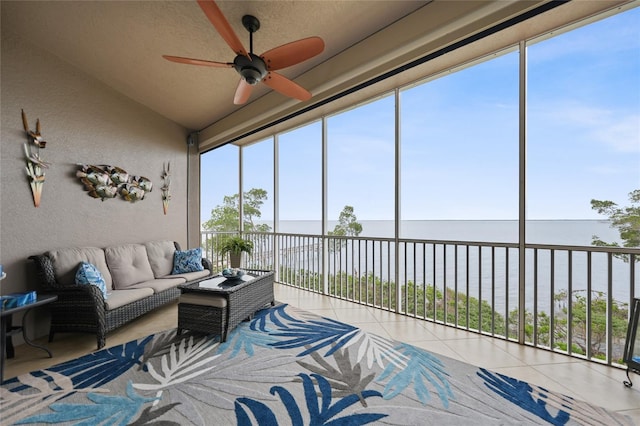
(88,274)
(160,284)
(119,298)
(187,261)
(190,276)
(128,264)
(203,300)
(66,261)
(160,255)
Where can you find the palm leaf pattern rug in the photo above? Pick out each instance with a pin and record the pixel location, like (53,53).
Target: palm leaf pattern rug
(285,367)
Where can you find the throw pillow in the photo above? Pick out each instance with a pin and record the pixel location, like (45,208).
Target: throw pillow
(187,261)
(88,274)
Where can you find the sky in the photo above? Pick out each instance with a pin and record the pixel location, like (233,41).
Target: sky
(459,140)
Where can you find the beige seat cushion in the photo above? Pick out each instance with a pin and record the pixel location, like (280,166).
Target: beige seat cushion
(160,284)
(160,255)
(66,261)
(190,276)
(119,298)
(129,265)
(203,300)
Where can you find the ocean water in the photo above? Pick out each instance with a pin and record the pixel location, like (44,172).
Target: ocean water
(562,232)
(487,274)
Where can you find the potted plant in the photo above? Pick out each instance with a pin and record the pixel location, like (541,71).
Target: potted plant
(234,246)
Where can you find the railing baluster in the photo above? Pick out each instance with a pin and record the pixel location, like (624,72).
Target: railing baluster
(609,307)
(588,312)
(570,302)
(552,290)
(493,290)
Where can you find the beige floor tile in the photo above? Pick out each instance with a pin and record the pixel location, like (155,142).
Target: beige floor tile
(356,315)
(345,304)
(444,332)
(313,303)
(483,353)
(407,331)
(531,355)
(437,347)
(388,316)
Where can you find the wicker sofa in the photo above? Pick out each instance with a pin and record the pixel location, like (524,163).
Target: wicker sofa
(138,278)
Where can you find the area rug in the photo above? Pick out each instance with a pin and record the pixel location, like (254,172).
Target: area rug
(285,367)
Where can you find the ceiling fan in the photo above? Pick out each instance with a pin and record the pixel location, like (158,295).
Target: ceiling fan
(253,68)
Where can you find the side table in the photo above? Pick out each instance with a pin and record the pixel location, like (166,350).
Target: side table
(7,329)
(217,305)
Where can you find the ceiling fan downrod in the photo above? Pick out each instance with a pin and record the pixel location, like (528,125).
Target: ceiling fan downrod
(252,68)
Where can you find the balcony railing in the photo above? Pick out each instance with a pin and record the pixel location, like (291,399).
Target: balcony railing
(572,299)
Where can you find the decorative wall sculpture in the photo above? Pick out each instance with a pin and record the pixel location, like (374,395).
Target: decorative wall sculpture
(110,181)
(35,165)
(166,181)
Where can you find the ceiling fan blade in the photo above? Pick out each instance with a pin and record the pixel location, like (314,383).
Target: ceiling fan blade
(282,84)
(292,53)
(190,61)
(213,12)
(242,92)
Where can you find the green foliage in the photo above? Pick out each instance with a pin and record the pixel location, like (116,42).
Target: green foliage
(347,224)
(235,245)
(226,217)
(598,320)
(625,219)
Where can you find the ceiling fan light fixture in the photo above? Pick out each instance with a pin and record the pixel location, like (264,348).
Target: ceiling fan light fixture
(251,75)
(252,70)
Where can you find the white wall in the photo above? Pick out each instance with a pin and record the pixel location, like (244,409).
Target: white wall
(83,121)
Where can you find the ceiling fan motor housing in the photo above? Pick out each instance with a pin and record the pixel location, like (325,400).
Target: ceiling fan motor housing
(252,70)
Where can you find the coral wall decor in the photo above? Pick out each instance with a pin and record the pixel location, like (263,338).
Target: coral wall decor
(35,164)
(166,181)
(110,181)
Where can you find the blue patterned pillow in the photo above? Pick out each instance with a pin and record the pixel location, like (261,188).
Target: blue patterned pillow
(88,274)
(187,261)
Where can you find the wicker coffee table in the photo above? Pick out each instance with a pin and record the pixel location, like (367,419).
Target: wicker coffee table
(217,305)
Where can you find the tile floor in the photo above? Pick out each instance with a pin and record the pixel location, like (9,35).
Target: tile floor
(588,381)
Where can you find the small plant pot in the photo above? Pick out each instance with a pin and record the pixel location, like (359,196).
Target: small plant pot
(235,259)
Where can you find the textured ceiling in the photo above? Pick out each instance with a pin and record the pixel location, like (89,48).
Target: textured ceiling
(121,43)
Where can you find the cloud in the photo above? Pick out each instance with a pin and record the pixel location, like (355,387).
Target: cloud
(621,133)
(619,130)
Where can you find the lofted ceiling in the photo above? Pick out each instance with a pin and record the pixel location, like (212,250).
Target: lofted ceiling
(121,44)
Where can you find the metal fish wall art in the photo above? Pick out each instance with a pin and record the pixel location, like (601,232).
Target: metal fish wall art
(110,181)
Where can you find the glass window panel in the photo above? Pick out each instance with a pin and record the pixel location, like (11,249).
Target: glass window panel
(459,153)
(257,179)
(361,151)
(219,162)
(583,129)
(300,180)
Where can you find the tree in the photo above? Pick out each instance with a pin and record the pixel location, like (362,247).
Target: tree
(225,217)
(625,219)
(596,322)
(348,225)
